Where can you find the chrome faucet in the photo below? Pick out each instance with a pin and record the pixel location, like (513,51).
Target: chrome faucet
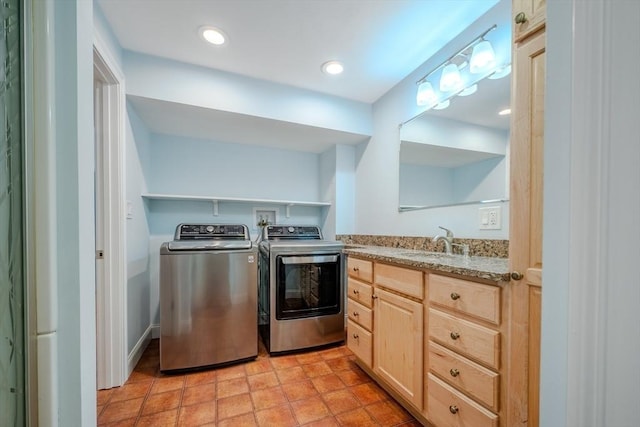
(448,240)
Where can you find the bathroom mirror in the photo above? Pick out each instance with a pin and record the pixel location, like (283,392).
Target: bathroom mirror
(458,155)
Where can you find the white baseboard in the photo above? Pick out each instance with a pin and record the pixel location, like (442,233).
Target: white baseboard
(155,331)
(138,349)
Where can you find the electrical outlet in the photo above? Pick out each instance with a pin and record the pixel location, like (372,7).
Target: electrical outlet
(490,218)
(263,216)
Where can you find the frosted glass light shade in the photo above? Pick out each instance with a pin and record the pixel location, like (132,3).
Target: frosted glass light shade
(501,72)
(426,95)
(482,58)
(469,91)
(450,79)
(442,105)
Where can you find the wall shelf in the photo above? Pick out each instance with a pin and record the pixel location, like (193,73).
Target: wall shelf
(215,200)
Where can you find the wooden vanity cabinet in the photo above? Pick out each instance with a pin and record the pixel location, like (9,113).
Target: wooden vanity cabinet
(359,309)
(465,352)
(528,17)
(398,343)
(526,207)
(434,342)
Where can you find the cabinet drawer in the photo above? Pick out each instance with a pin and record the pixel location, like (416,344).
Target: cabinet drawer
(359,341)
(477,381)
(360,269)
(475,299)
(468,338)
(360,292)
(360,314)
(447,407)
(409,282)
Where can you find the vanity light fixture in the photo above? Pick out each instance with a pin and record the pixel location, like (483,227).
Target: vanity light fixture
(442,105)
(501,72)
(426,95)
(212,35)
(460,73)
(450,79)
(332,67)
(469,91)
(482,58)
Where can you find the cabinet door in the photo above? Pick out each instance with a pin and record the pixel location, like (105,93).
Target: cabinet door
(533,12)
(399,344)
(525,240)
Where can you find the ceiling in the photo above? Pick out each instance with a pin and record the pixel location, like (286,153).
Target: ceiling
(380,42)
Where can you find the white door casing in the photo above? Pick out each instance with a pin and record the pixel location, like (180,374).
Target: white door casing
(110,222)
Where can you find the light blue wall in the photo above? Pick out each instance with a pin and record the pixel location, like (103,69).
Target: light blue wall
(422,185)
(180,165)
(377,171)
(137,229)
(479,180)
(148,76)
(345,176)
(103,35)
(73,115)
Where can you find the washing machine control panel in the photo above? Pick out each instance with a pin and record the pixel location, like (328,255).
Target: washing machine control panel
(211,232)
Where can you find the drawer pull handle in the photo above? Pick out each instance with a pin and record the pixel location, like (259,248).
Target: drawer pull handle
(454,335)
(455,296)
(355,336)
(356,292)
(454,372)
(453,409)
(356,314)
(521,18)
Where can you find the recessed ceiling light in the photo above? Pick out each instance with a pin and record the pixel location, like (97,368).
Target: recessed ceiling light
(332,67)
(505,112)
(212,35)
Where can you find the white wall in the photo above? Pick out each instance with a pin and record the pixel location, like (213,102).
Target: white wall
(590,362)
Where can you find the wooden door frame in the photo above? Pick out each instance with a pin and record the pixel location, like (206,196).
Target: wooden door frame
(111,313)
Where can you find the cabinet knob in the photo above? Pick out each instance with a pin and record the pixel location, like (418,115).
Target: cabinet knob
(455,296)
(355,336)
(356,292)
(356,269)
(516,275)
(521,18)
(374,296)
(356,314)
(454,335)
(454,372)
(453,409)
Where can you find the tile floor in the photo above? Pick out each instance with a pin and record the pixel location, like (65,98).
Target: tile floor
(316,388)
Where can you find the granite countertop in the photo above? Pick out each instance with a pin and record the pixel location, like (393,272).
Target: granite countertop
(488,268)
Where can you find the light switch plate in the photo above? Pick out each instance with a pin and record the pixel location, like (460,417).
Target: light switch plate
(490,218)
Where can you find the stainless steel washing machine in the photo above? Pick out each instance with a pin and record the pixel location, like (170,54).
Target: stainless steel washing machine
(208,297)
